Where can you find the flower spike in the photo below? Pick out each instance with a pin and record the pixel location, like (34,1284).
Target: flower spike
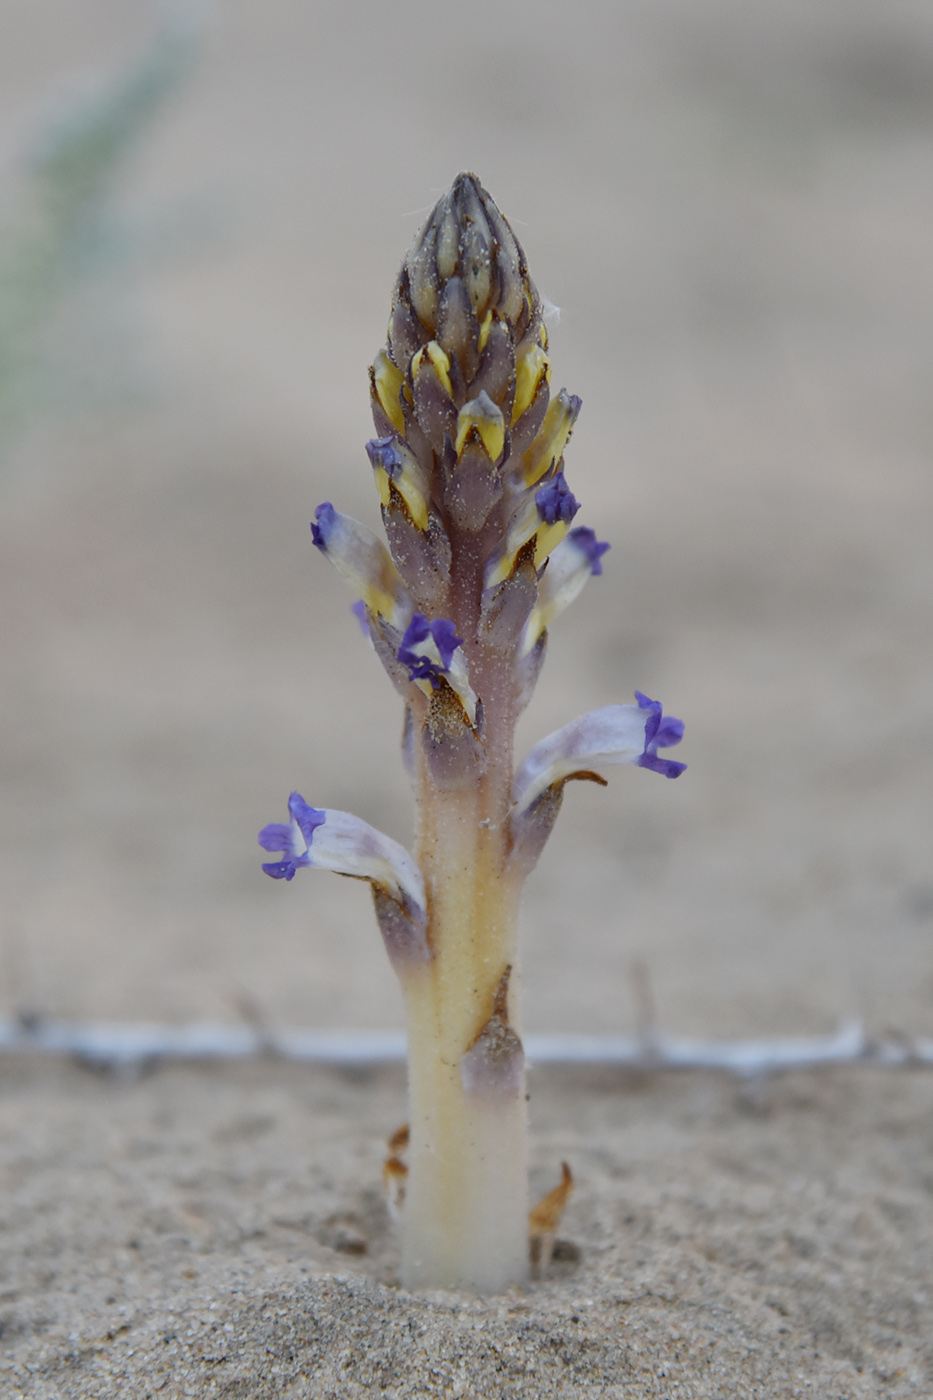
(483,556)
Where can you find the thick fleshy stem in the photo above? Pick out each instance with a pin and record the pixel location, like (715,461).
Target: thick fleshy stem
(465,1222)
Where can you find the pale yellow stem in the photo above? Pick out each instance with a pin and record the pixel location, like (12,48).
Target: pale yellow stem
(466,1211)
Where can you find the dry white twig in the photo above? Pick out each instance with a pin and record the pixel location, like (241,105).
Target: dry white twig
(133,1045)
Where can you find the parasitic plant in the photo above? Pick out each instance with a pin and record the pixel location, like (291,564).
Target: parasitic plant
(482,557)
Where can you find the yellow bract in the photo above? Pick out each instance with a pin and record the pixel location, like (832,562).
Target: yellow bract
(529,371)
(417,505)
(483,415)
(548,537)
(438,359)
(387,380)
(527,525)
(382,485)
(406,484)
(381,602)
(549,445)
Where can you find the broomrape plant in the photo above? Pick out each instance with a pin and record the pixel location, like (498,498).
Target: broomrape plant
(482,557)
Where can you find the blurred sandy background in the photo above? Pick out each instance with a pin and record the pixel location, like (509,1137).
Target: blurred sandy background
(732,205)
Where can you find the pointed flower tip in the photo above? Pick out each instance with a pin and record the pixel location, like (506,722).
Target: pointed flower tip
(661,732)
(592,548)
(467,257)
(427,648)
(466,181)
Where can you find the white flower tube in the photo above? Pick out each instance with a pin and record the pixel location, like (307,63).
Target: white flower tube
(614,734)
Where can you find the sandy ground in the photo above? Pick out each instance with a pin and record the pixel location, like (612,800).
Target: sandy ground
(732,204)
(218,1234)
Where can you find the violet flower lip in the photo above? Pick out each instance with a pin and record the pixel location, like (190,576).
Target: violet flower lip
(427,648)
(556,501)
(481,558)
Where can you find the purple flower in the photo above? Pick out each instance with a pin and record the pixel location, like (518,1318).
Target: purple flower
(383,453)
(613,734)
(332,840)
(556,501)
(427,648)
(324,518)
(293,840)
(660,733)
(594,549)
(363,560)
